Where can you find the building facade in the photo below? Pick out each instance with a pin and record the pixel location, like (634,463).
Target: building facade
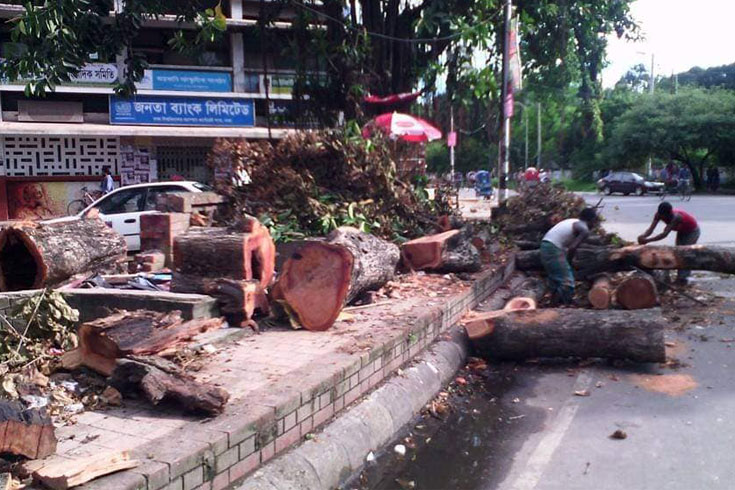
(53,147)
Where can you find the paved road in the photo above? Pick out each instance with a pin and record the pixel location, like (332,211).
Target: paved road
(630,215)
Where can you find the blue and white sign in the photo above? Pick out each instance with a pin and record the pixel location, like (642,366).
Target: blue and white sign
(182,111)
(186,81)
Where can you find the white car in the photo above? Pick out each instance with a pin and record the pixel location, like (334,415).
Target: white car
(121,208)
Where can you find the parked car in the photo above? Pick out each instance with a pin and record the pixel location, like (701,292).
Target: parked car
(628,183)
(121,208)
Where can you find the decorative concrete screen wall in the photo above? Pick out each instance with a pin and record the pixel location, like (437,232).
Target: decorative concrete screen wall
(26,156)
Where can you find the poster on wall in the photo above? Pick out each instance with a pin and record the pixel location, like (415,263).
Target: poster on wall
(29,200)
(136,166)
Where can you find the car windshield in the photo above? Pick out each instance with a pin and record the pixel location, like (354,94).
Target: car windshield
(637,177)
(203,187)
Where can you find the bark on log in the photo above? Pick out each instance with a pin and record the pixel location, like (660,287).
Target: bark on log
(451,251)
(601,293)
(223,253)
(636,292)
(35,255)
(169,383)
(123,334)
(23,432)
(529,260)
(321,277)
(615,334)
(238,300)
(693,257)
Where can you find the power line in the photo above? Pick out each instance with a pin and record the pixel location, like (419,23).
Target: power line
(385,36)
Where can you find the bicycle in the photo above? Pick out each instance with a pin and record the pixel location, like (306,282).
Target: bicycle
(78,205)
(685,190)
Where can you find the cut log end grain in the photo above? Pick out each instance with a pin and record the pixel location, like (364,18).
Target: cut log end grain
(315,281)
(426,252)
(600,295)
(636,292)
(26,432)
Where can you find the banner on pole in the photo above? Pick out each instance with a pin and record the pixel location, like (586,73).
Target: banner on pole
(452,139)
(514,79)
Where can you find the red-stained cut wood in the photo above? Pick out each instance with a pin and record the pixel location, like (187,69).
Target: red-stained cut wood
(26,432)
(451,251)
(35,255)
(601,293)
(637,291)
(319,278)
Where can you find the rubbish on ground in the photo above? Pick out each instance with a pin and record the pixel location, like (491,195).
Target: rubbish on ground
(400,449)
(26,432)
(63,474)
(619,434)
(582,393)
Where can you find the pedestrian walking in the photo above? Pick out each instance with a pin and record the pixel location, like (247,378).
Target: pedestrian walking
(559,246)
(684,224)
(107,185)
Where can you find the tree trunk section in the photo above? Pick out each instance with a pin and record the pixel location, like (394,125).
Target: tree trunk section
(159,381)
(614,334)
(692,257)
(321,277)
(23,432)
(636,292)
(36,255)
(451,251)
(223,253)
(601,292)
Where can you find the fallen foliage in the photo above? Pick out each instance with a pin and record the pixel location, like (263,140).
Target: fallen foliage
(313,182)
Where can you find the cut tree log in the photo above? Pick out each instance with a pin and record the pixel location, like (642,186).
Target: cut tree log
(238,300)
(614,334)
(321,277)
(64,474)
(692,257)
(637,291)
(26,432)
(224,253)
(35,254)
(159,380)
(451,251)
(137,333)
(601,293)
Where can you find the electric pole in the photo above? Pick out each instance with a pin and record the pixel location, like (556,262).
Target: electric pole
(504,160)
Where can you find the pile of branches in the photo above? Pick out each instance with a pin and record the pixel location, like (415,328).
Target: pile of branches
(313,182)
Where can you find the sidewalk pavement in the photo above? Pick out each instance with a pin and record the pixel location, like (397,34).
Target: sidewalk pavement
(283,384)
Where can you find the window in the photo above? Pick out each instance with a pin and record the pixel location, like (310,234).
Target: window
(155,192)
(126,201)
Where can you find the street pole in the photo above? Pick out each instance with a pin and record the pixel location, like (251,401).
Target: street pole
(525,125)
(652,89)
(538,136)
(504,160)
(451,148)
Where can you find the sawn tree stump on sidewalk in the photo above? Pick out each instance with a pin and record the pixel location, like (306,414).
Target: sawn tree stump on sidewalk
(451,251)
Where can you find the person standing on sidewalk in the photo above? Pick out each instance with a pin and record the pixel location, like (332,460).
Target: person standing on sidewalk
(685,225)
(107,185)
(559,246)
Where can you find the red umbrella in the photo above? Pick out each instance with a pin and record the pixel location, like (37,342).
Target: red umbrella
(408,128)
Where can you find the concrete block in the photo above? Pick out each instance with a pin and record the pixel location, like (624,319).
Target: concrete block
(328,458)
(193,478)
(242,468)
(247,447)
(353,435)
(376,417)
(293,473)
(394,399)
(156,474)
(226,459)
(125,480)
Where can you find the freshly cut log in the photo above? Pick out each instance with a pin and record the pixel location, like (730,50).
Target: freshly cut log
(615,334)
(451,251)
(520,303)
(321,277)
(64,474)
(26,432)
(693,257)
(238,300)
(224,253)
(601,293)
(35,255)
(637,291)
(479,325)
(159,380)
(133,333)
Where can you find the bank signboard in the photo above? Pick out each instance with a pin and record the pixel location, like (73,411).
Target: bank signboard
(182,111)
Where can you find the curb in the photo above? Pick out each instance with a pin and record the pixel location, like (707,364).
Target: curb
(339,451)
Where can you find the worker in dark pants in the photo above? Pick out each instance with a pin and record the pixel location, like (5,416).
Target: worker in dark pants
(678,220)
(557,249)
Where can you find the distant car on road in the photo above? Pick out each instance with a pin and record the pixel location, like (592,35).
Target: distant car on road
(628,183)
(122,208)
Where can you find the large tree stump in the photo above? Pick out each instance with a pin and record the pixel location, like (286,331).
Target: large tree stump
(451,251)
(601,293)
(23,432)
(321,277)
(615,334)
(137,333)
(637,291)
(159,381)
(35,255)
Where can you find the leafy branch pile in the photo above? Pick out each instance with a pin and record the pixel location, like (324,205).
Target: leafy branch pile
(313,182)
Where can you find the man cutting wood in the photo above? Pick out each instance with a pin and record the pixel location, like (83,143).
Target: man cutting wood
(685,225)
(558,247)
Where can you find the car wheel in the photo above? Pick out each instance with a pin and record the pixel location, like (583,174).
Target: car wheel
(639,191)
(607,190)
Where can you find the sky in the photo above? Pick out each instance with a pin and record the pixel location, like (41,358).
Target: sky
(680,33)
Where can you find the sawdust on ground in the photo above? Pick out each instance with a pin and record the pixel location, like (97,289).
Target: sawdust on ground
(668,384)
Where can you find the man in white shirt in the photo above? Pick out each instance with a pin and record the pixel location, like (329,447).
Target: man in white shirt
(107,185)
